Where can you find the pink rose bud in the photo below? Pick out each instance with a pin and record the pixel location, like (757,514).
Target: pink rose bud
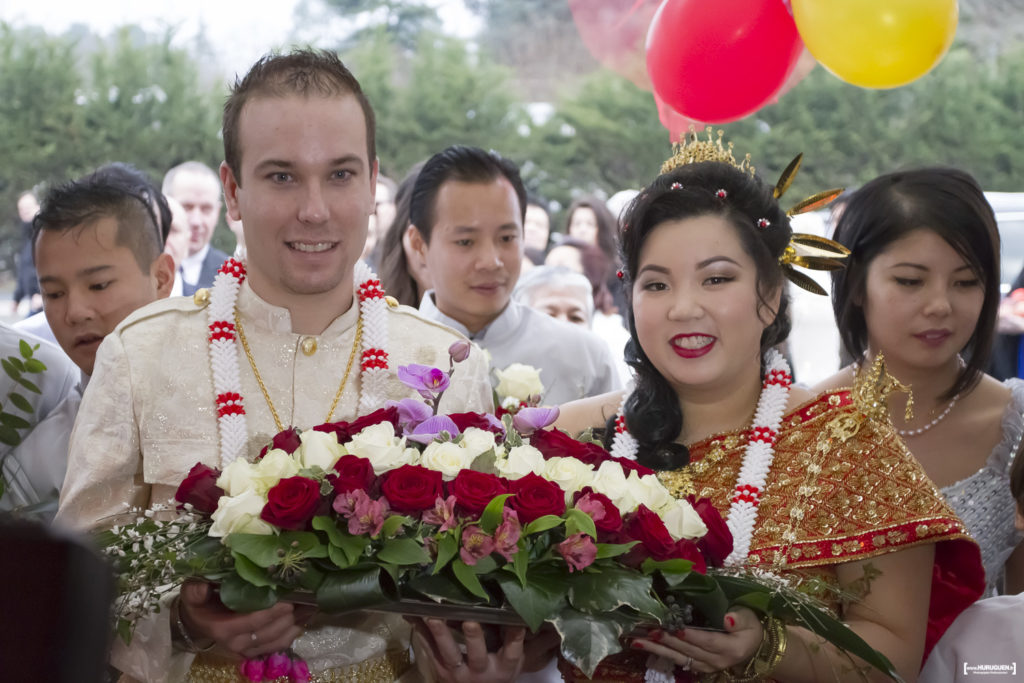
(299,672)
(579,551)
(253,669)
(459,351)
(278,665)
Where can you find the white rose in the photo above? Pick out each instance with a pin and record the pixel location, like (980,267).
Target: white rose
(654,494)
(239,515)
(521,460)
(477,441)
(519,381)
(448,458)
(611,481)
(378,444)
(237,477)
(275,466)
(319,449)
(682,520)
(569,473)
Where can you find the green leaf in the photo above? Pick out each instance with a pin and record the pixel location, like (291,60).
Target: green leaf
(491,517)
(250,571)
(485,462)
(26,349)
(9,436)
(16,362)
(352,546)
(447,548)
(613,587)
(339,557)
(14,421)
(577,521)
(589,638)
(607,550)
(542,524)
(392,524)
(21,402)
(674,571)
(9,368)
(467,577)
(350,589)
(311,578)
(403,551)
(305,542)
(520,564)
(124,630)
(28,385)
(540,599)
(260,548)
(35,365)
(441,588)
(239,595)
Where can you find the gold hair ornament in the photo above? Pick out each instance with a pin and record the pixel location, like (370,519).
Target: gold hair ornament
(804,250)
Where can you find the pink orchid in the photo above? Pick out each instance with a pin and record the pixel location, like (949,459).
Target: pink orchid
(459,350)
(528,420)
(579,551)
(299,672)
(443,514)
(277,665)
(424,379)
(253,669)
(506,536)
(476,545)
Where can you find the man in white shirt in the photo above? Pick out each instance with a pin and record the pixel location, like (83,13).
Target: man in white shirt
(197,187)
(299,173)
(466,213)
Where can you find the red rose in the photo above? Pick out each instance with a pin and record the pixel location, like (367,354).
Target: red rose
(200,488)
(353,473)
(474,490)
(646,526)
(288,441)
(291,503)
(344,431)
(479,420)
(535,497)
(601,509)
(411,488)
(717,543)
(686,549)
(554,443)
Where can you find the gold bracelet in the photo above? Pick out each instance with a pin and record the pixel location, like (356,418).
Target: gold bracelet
(768,655)
(190,645)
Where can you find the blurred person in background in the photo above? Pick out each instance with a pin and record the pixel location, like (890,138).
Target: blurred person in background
(26,285)
(402,271)
(197,187)
(536,229)
(380,221)
(558,292)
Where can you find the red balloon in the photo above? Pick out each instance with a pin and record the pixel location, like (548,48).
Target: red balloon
(720,61)
(676,124)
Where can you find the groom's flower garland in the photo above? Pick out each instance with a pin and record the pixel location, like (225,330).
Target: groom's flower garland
(224,354)
(757,459)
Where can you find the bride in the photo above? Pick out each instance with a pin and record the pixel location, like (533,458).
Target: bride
(813,487)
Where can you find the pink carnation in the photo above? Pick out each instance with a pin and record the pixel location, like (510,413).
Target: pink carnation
(278,665)
(253,669)
(299,672)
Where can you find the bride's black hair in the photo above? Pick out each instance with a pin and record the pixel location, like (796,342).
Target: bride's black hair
(652,410)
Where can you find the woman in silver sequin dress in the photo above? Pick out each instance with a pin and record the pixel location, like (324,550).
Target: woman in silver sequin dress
(922,287)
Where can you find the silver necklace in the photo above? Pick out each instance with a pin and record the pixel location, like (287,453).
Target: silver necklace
(922,430)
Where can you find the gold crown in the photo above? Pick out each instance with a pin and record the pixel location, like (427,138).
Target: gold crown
(692,150)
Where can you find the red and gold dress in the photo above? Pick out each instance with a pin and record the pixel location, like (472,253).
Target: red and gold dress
(841,488)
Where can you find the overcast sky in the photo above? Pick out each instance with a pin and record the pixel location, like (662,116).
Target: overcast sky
(240,30)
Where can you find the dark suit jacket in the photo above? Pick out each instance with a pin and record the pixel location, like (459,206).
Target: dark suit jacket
(211,264)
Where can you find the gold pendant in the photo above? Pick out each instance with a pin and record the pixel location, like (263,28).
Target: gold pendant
(308,345)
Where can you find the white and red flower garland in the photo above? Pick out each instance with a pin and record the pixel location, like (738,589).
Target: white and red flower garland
(757,459)
(224,354)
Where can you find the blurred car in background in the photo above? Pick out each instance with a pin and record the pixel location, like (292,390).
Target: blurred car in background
(1009,210)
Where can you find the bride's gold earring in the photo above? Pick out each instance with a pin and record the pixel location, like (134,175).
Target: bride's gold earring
(908,414)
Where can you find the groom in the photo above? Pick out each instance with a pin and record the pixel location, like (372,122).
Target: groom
(299,173)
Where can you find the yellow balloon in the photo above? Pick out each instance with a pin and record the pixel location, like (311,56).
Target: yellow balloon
(877,43)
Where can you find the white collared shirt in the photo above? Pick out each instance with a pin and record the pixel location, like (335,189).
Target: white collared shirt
(192,266)
(573,362)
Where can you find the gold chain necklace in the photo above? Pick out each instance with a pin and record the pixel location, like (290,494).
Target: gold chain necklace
(263,387)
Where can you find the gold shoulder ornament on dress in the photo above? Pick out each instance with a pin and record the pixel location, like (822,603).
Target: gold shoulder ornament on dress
(804,250)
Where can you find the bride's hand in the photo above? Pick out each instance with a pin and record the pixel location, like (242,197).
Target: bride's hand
(708,651)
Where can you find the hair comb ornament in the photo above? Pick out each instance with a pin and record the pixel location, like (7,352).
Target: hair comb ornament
(804,250)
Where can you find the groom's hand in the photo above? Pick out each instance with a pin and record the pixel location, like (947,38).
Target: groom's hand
(249,635)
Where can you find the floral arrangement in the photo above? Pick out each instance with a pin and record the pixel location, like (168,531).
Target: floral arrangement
(409,505)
